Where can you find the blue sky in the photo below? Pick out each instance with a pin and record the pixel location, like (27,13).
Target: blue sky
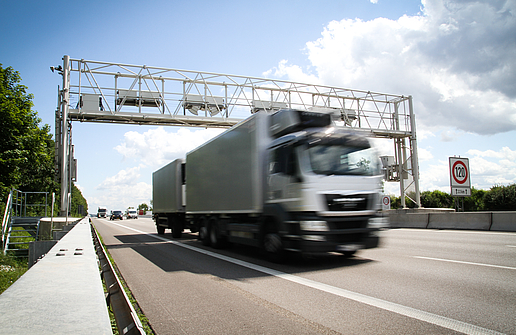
(456,58)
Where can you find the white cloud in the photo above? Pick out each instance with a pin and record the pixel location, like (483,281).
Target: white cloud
(122,190)
(456,59)
(119,196)
(156,147)
(150,150)
(122,179)
(504,153)
(424,154)
(491,167)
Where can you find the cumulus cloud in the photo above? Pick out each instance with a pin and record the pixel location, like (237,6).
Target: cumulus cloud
(123,190)
(120,196)
(157,146)
(493,167)
(122,179)
(487,168)
(456,58)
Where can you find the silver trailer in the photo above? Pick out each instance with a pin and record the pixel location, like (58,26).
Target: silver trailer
(227,174)
(282,181)
(168,197)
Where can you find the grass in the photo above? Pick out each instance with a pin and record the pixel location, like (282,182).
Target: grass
(11,268)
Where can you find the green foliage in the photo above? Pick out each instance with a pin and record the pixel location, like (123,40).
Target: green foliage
(476,201)
(143,207)
(501,198)
(26,150)
(436,199)
(11,268)
(498,198)
(79,206)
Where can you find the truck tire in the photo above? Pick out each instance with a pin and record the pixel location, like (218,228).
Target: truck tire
(204,233)
(272,244)
(216,239)
(177,227)
(348,254)
(161,229)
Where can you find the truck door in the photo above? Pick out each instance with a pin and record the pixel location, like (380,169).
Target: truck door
(283,177)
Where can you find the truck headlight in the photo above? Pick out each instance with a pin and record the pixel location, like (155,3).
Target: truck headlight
(313,225)
(378,222)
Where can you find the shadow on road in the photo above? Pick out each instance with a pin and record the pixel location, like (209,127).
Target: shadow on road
(170,256)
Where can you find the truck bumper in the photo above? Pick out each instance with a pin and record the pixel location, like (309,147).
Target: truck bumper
(317,234)
(325,243)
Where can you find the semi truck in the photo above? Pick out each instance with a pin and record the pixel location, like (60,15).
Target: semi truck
(102,212)
(283,181)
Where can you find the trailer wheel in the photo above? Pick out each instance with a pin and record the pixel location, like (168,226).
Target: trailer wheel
(204,232)
(177,228)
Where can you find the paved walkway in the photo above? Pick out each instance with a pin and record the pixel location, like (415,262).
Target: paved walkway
(61,294)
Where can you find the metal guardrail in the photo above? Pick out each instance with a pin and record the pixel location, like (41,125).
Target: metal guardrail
(127,320)
(7,218)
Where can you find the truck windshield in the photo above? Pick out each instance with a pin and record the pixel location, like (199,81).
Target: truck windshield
(343,160)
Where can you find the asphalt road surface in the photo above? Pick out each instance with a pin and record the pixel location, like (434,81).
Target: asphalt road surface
(418,282)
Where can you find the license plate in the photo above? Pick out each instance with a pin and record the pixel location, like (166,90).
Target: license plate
(349,247)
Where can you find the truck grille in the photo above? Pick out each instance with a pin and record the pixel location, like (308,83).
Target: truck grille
(349,202)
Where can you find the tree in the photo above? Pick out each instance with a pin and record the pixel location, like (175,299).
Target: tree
(26,150)
(79,205)
(476,201)
(436,199)
(501,198)
(143,207)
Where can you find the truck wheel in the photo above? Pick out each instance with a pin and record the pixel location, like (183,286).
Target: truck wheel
(348,254)
(273,247)
(161,230)
(177,228)
(216,240)
(204,232)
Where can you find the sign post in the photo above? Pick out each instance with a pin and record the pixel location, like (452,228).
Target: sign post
(459,177)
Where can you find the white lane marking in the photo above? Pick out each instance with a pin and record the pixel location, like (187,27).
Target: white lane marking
(511,246)
(468,263)
(434,319)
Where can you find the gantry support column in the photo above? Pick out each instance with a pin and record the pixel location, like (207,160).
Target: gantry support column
(65,100)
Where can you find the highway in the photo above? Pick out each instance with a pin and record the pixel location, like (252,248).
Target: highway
(417,282)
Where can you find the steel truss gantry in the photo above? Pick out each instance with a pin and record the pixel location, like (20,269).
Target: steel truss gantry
(95,91)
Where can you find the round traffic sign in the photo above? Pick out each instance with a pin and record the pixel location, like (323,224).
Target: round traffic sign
(386,200)
(459,172)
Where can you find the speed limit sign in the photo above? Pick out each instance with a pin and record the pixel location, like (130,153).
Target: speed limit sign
(459,177)
(386,202)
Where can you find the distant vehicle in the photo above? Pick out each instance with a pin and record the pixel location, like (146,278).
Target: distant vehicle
(117,215)
(102,212)
(131,214)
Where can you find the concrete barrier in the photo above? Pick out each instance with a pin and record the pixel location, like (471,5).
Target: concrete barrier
(48,225)
(473,221)
(439,219)
(504,221)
